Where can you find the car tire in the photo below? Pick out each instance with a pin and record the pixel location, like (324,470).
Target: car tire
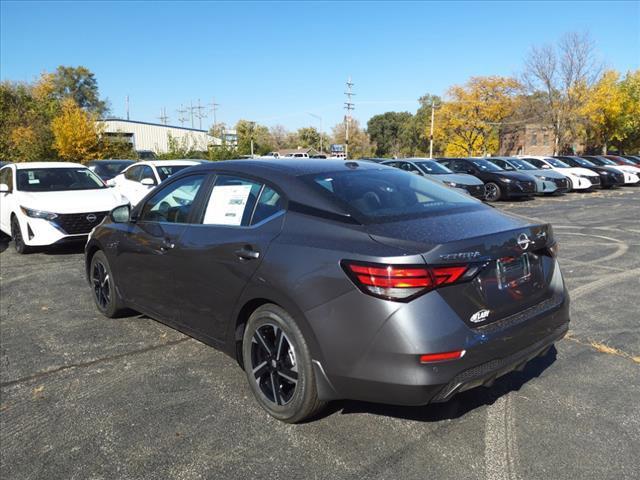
(492,192)
(103,286)
(278,365)
(18,239)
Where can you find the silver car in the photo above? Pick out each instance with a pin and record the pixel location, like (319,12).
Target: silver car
(547,181)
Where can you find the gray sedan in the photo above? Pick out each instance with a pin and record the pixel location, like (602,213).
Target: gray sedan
(433,170)
(547,181)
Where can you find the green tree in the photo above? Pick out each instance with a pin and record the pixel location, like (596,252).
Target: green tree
(359,142)
(80,84)
(249,132)
(385,131)
(308,137)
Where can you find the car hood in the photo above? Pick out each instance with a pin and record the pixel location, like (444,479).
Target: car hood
(521,176)
(428,233)
(576,171)
(461,178)
(545,173)
(72,201)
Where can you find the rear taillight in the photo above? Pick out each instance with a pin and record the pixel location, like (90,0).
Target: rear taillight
(440,357)
(403,282)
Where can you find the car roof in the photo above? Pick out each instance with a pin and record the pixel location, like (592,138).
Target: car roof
(27,165)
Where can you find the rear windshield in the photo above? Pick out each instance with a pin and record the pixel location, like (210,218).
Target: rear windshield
(384,195)
(57,179)
(165,171)
(432,167)
(486,166)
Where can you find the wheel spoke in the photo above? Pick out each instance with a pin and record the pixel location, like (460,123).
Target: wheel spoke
(260,370)
(275,388)
(288,375)
(279,341)
(262,342)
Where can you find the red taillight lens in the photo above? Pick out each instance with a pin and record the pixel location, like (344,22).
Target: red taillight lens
(439,357)
(401,282)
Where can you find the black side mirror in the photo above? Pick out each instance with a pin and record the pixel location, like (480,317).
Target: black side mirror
(121,214)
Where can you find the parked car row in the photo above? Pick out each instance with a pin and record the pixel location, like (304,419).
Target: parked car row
(523,176)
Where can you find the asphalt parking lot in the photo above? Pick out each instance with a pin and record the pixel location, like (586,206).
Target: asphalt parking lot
(83,397)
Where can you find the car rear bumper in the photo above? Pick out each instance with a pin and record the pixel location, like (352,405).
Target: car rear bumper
(388,369)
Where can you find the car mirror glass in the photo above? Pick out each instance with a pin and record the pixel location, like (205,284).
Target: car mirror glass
(120,214)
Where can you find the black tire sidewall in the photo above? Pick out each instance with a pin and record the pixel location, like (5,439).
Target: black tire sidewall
(305,395)
(18,239)
(113,307)
(498,189)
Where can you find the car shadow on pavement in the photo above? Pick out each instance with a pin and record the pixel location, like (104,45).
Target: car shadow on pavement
(459,405)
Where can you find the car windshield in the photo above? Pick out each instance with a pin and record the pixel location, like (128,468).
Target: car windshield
(57,179)
(522,164)
(108,170)
(383,195)
(165,171)
(584,162)
(606,161)
(557,163)
(486,166)
(432,167)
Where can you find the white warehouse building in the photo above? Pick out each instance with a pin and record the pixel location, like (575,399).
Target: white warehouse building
(154,137)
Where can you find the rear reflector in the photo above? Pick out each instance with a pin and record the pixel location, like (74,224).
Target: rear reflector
(439,357)
(402,282)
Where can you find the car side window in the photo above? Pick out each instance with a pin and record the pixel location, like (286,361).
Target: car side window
(537,163)
(173,203)
(147,172)
(133,173)
(232,201)
(458,166)
(410,168)
(503,164)
(269,204)
(6,177)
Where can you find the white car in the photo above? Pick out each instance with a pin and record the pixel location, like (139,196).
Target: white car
(43,203)
(581,178)
(631,173)
(138,179)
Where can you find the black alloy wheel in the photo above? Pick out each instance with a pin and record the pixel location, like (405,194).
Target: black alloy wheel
(492,192)
(18,240)
(278,365)
(273,363)
(105,293)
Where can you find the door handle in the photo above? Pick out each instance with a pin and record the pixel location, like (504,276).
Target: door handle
(247,253)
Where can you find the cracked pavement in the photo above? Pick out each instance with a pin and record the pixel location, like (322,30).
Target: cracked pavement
(85,397)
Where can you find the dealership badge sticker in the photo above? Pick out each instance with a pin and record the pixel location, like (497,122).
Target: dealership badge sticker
(480,316)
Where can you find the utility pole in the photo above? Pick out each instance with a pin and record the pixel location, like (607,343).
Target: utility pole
(191,112)
(214,109)
(253,124)
(127,107)
(199,113)
(319,118)
(348,106)
(163,116)
(181,115)
(433,114)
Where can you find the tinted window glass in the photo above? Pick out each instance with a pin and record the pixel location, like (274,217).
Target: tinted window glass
(165,171)
(6,177)
(379,195)
(231,202)
(557,163)
(108,170)
(147,172)
(432,168)
(133,173)
(57,179)
(486,166)
(269,203)
(173,203)
(521,164)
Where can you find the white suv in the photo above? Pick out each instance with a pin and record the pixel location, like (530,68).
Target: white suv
(42,203)
(138,179)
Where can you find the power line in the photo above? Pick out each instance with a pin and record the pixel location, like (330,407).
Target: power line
(163,116)
(181,115)
(198,112)
(214,108)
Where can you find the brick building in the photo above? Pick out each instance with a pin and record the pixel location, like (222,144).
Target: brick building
(530,139)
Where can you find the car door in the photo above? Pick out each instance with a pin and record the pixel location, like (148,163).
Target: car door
(240,218)
(149,260)
(6,178)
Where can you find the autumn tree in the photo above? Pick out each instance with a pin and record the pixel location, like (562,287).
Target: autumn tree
(76,133)
(563,74)
(630,121)
(79,84)
(468,121)
(602,110)
(359,142)
(385,131)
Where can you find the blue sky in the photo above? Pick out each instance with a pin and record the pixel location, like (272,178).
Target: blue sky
(273,62)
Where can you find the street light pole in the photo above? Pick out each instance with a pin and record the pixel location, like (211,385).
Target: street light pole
(433,110)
